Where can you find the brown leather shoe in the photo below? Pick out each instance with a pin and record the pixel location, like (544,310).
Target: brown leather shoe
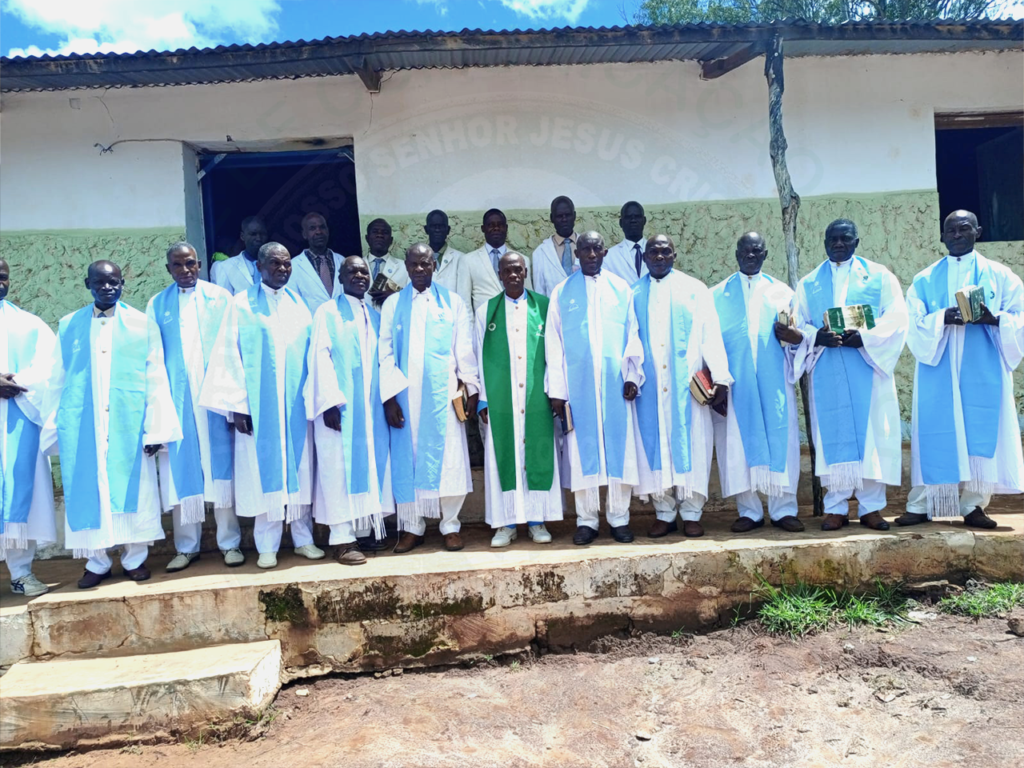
(660,529)
(692,529)
(349,554)
(407,542)
(789,523)
(834,522)
(453,542)
(745,525)
(874,521)
(978,519)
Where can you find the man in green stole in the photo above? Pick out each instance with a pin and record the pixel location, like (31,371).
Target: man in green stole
(520,464)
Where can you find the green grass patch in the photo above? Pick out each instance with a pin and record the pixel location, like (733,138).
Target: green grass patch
(984,600)
(802,609)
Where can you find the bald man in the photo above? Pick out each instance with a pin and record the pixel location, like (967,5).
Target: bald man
(26,485)
(110,412)
(965,443)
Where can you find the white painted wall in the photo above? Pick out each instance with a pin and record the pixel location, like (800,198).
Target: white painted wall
(514,137)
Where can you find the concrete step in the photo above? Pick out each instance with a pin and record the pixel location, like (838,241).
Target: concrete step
(62,703)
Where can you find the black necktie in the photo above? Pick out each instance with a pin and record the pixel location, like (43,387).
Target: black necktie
(639,258)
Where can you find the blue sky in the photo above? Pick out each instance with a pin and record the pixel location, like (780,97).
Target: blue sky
(34,27)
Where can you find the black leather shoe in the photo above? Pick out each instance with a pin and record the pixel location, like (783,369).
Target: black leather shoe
(789,523)
(90,579)
(911,518)
(371,544)
(622,534)
(137,574)
(745,524)
(978,519)
(584,535)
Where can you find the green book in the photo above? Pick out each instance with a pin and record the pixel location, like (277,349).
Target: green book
(853,318)
(970,300)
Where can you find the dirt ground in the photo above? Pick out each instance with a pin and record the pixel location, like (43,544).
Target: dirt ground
(945,692)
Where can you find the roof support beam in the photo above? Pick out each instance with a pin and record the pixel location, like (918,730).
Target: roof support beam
(709,70)
(369,76)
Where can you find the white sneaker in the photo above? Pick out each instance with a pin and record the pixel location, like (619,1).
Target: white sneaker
(540,534)
(267,560)
(181,561)
(504,536)
(29,586)
(233,557)
(310,552)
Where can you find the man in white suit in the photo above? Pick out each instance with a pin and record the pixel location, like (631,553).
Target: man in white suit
(445,257)
(239,272)
(381,262)
(626,259)
(477,281)
(555,258)
(314,269)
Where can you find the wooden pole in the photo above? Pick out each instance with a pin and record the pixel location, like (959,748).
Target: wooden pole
(790,202)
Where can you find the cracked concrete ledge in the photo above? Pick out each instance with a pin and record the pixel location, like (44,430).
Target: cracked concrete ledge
(429,608)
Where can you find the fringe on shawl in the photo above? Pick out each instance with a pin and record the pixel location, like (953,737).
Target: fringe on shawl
(540,506)
(193,509)
(980,469)
(223,494)
(767,482)
(944,501)
(845,476)
(15,536)
(427,504)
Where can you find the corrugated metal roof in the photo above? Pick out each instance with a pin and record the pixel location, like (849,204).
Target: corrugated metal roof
(367,54)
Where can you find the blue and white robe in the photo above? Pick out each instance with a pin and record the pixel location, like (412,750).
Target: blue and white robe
(878,439)
(198,313)
(608,308)
(353,482)
(26,485)
(680,334)
(764,297)
(278,480)
(940,346)
(126,499)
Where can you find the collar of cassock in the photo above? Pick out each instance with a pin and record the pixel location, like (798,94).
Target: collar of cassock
(97,312)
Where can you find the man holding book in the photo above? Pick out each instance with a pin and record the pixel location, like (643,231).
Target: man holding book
(680,337)
(855,415)
(594,374)
(967,333)
(429,385)
(757,439)
(520,454)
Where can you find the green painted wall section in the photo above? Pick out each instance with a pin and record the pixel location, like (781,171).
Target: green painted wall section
(48,267)
(898,229)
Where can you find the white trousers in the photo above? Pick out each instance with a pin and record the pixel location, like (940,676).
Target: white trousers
(19,561)
(917,501)
(450,508)
(132,556)
(666,506)
(268,534)
(588,514)
(346,533)
(186,536)
(871,498)
(749,505)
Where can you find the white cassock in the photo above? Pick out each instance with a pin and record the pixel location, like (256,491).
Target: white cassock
(195,335)
(883,447)
(234,274)
(332,505)
(456,476)
(621,260)
(928,338)
(477,281)
(307,283)
(528,506)
(733,469)
(557,387)
(674,492)
(224,391)
(546,263)
(135,531)
(18,540)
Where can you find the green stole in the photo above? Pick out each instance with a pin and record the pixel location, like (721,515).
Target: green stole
(540,430)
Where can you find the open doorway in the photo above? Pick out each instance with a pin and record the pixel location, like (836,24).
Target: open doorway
(282,187)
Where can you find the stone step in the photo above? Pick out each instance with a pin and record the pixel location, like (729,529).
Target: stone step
(63,703)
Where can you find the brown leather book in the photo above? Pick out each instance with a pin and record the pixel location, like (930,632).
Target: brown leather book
(702,387)
(461,403)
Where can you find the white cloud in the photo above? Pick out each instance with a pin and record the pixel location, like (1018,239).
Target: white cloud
(126,26)
(441,6)
(547,10)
